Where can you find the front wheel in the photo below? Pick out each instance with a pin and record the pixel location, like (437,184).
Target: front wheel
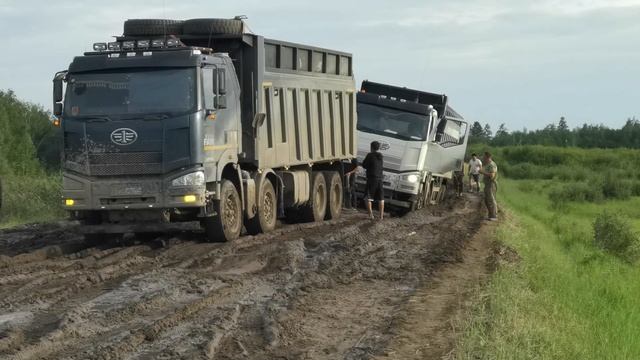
(227,223)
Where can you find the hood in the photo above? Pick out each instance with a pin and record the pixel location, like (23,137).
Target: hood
(399,155)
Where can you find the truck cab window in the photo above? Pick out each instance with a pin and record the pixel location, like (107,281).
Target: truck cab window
(208,87)
(451,133)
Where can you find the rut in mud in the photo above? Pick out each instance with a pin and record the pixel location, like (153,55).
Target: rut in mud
(309,291)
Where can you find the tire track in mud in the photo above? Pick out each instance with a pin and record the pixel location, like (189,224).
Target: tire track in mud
(103,266)
(328,290)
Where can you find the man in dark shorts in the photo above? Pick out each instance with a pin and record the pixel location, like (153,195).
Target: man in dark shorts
(374,192)
(349,168)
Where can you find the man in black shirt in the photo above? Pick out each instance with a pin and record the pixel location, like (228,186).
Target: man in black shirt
(374,191)
(351,201)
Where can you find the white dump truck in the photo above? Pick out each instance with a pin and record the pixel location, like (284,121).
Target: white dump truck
(423,141)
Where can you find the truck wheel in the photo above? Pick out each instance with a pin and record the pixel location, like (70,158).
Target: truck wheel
(443,193)
(316,208)
(145,27)
(212,26)
(265,220)
(334,196)
(227,223)
(423,196)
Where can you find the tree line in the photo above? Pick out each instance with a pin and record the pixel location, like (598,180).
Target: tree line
(28,141)
(585,136)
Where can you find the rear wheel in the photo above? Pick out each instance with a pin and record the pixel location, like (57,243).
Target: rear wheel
(265,220)
(227,223)
(335,195)
(316,208)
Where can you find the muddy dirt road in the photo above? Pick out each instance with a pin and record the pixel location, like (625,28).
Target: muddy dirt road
(314,291)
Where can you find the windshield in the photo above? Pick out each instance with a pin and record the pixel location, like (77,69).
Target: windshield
(390,122)
(131,92)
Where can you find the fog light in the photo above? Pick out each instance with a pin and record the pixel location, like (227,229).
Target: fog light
(189,198)
(69,202)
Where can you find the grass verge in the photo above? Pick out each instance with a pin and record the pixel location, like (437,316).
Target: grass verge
(29,199)
(565,298)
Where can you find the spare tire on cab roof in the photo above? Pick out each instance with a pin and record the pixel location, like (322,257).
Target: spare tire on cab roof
(212,26)
(148,27)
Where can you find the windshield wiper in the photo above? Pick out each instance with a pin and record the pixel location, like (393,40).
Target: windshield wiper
(156,117)
(152,116)
(97,119)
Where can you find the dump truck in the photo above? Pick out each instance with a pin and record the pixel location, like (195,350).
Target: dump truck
(423,141)
(201,121)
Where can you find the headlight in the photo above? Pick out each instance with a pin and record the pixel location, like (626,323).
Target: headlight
(412,178)
(193,179)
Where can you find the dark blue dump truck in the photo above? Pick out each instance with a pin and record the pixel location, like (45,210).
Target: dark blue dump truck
(203,121)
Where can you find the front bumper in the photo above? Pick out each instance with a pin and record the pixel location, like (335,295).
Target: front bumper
(129,192)
(398,192)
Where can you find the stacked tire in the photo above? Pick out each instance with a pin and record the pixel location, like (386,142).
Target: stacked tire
(204,27)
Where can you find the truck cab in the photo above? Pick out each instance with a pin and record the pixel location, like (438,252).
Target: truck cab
(423,141)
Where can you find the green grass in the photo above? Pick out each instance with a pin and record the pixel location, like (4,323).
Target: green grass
(565,299)
(29,199)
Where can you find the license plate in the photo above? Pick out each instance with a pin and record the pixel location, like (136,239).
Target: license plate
(127,189)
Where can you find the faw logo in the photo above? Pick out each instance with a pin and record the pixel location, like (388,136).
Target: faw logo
(384,145)
(124,136)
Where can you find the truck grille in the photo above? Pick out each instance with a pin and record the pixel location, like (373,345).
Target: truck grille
(125,169)
(113,164)
(125,158)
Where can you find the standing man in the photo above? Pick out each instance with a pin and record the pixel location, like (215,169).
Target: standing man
(373,164)
(349,169)
(474,171)
(490,172)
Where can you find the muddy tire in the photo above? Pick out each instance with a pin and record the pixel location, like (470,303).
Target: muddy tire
(227,223)
(443,193)
(316,208)
(212,26)
(149,27)
(335,195)
(423,197)
(265,220)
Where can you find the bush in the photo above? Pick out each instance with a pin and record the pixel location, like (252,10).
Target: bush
(614,234)
(577,192)
(30,199)
(616,188)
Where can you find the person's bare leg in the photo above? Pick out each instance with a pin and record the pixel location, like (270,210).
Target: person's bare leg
(369,207)
(381,206)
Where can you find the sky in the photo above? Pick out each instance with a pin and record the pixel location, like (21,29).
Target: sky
(522,63)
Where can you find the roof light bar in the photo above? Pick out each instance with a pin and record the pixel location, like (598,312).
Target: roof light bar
(128,45)
(99,46)
(157,43)
(173,42)
(143,44)
(114,46)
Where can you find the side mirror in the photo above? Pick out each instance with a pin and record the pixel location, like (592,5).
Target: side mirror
(57,109)
(220,102)
(258,120)
(57,90)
